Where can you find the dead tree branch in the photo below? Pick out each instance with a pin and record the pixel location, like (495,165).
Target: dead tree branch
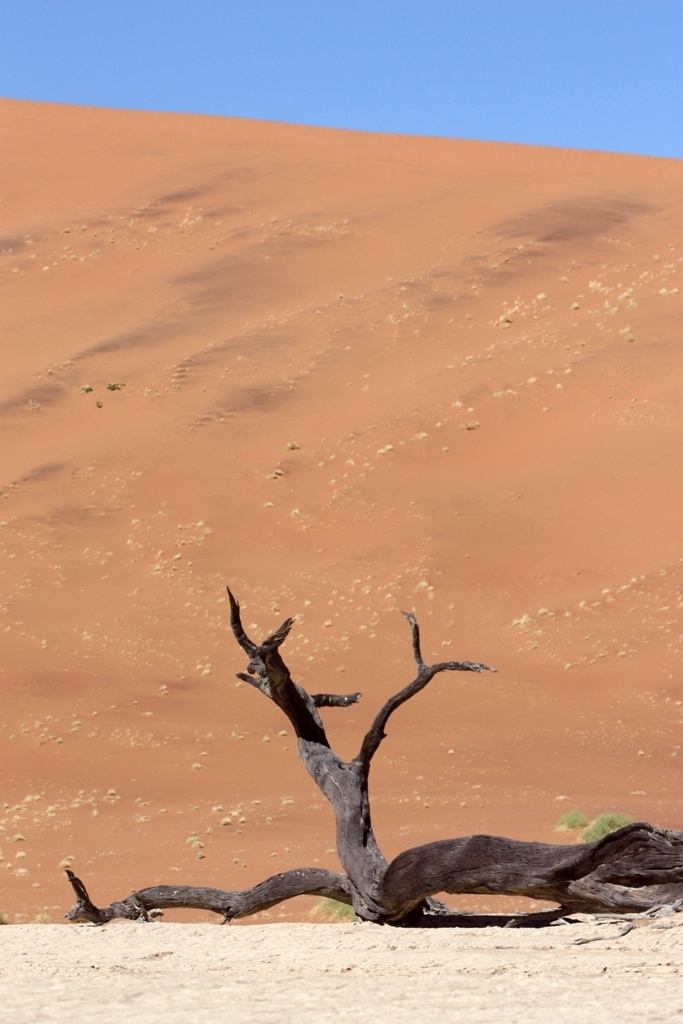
(425,674)
(140,906)
(633,869)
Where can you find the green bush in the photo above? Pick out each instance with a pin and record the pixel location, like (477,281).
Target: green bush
(571,821)
(605,824)
(334,911)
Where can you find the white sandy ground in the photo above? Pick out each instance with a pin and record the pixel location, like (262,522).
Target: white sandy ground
(319,973)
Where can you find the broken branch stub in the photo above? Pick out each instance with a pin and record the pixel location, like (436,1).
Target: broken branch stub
(633,869)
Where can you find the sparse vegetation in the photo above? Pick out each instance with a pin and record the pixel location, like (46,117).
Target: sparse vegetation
(333,911)
(604,824)
(572,821)
(4,919)
(601,826)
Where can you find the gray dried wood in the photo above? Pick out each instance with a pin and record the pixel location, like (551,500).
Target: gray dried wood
(633,869)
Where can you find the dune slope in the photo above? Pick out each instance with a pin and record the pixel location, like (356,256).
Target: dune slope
(347,374)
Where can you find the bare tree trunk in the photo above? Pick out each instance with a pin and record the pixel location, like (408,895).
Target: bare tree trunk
(634,868)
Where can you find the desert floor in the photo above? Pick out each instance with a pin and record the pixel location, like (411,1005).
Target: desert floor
(319,973)
(347,374)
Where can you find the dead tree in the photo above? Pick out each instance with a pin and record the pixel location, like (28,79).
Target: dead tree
(633,869)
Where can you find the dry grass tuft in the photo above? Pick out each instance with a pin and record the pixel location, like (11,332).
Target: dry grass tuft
(572,821)
(603,825)
(333,911)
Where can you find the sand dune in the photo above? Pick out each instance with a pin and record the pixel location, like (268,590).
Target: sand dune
(358,373)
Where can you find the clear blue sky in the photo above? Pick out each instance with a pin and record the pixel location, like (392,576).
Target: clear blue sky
(591,74)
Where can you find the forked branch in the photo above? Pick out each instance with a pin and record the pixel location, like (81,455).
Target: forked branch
(268,673)
(425,673)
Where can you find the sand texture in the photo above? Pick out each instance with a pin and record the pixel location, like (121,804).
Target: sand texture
(309,973)
(347,374)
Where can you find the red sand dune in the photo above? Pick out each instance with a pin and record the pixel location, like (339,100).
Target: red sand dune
(474,347)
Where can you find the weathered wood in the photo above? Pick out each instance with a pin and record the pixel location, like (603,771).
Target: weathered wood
(140,906)
(335,700)
(635,868)
(425,674)
(610,874)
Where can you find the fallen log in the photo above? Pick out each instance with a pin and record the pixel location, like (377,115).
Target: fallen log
(636,868)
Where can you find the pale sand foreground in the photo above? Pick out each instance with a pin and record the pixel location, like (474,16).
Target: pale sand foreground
(306,972)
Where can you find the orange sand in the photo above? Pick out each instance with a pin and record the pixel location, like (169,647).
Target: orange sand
(474,347)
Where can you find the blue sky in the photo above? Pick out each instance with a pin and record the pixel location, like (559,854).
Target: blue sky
(605,74)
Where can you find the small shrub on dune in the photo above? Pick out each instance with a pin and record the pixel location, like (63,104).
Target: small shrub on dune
(333,911)
(571,822)
(4,919)
(605,824)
